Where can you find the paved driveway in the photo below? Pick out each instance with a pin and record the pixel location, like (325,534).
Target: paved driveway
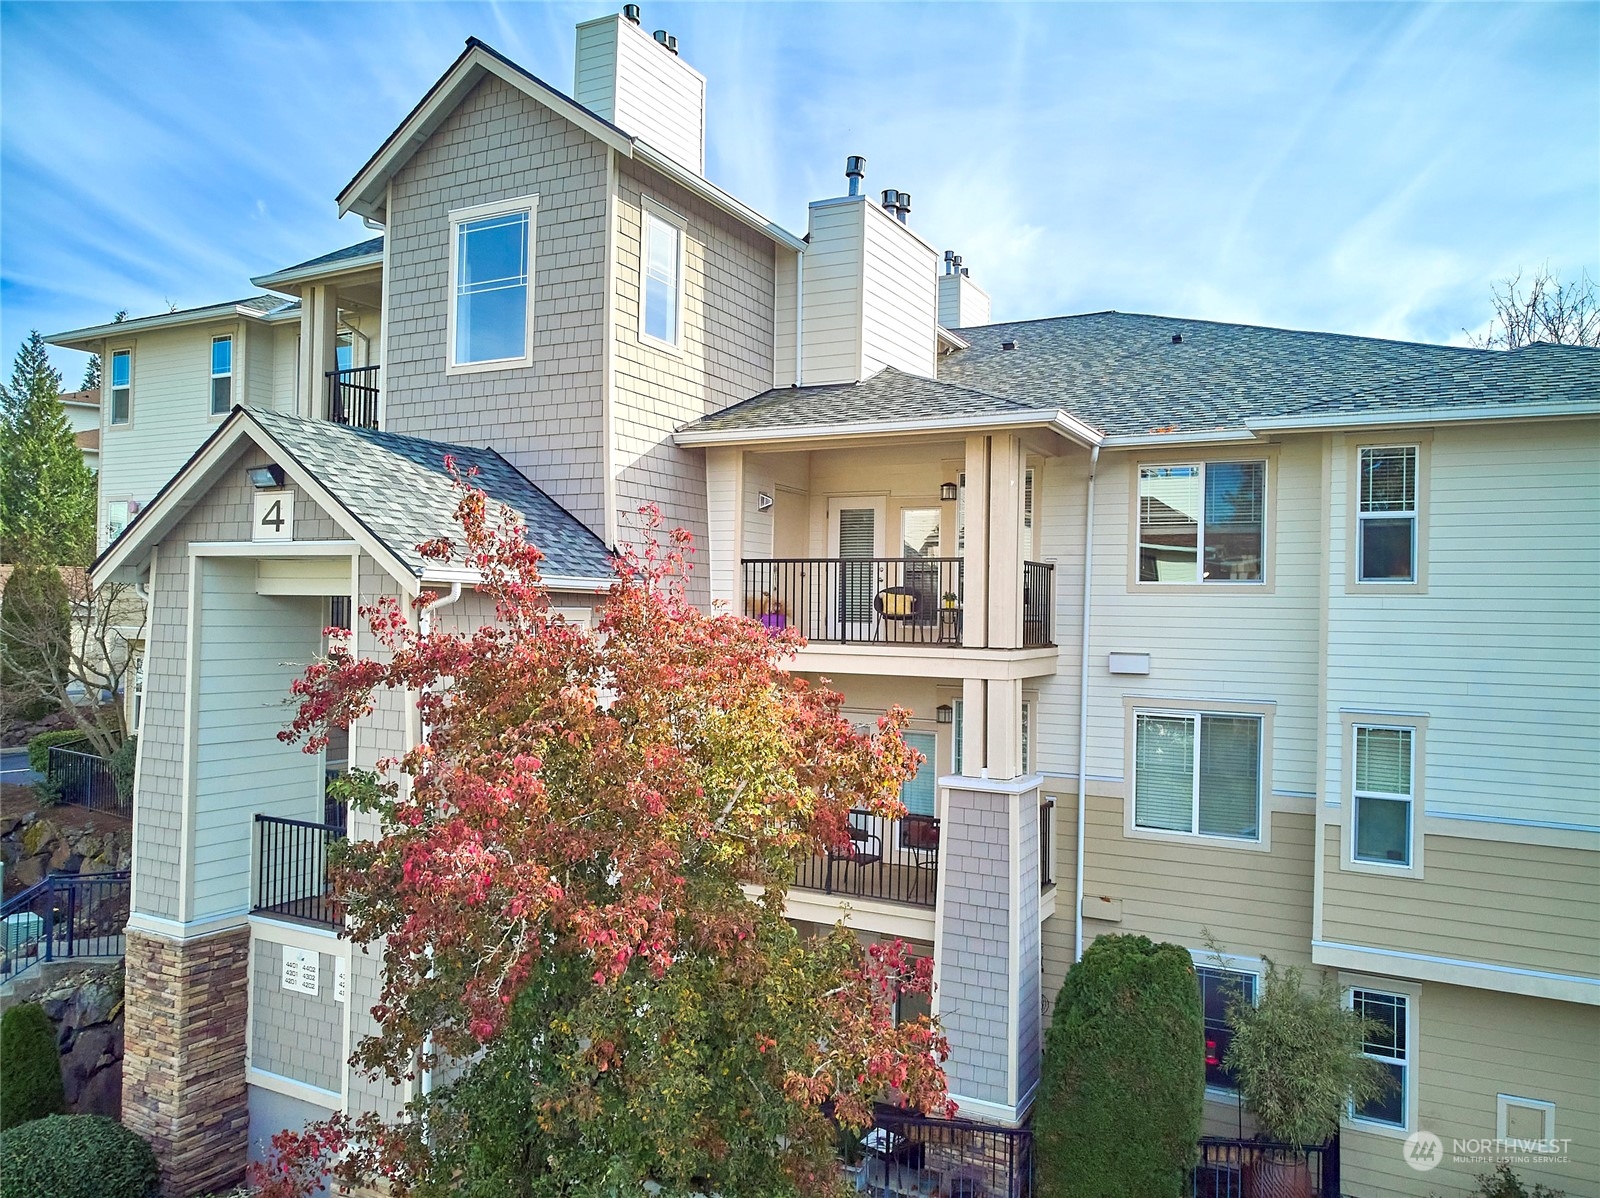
(14,768)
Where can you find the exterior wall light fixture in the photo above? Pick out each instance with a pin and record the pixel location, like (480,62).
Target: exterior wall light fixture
(945,713)
(264,477)
(949,492)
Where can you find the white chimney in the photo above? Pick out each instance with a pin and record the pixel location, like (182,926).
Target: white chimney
(868,292)
(962,303)
(640,85)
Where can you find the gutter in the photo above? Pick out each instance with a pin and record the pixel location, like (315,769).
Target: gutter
(299,274)
(166,320)
(1067,425)
(1083,703)
(705,189)
(1378,418)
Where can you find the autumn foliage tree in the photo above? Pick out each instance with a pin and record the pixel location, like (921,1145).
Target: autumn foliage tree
(579,888)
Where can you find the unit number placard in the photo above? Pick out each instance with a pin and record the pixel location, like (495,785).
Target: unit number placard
(274,515)
(301,970)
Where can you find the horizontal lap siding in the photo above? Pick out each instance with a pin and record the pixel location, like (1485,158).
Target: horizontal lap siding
(1521,905)
(1502,649)
(1475,1045)
(725,355)
(545,418)
(830,297)
(900,299)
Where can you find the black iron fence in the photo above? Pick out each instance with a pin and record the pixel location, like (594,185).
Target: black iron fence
(1237,1168)
(896,860)
(1038,604)
(84,779)
(907,1153)
(353,396)
(292,869)
(880,600)
(64,916)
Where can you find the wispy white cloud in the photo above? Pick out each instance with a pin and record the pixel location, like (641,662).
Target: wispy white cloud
(1365,168)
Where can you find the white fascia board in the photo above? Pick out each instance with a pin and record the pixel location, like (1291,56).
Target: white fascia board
(710,192)
(325,270)
(450,575)
(82,338)
(952,338)
(364,194)
(1380,418)
(180,494)
(1223,436)
(1063,423)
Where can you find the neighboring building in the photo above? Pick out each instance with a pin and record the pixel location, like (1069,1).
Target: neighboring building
(83,411)
(1232,600)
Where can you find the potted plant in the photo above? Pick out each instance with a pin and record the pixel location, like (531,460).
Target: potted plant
(1297,1059)
(770,612)
(949,601)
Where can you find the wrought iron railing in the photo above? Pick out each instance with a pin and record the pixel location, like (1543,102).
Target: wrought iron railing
(907,1153)
(1047,850)
(882,600)
(1038,604)
(1235,1168)
(62,917)
(292,869)
(353,396)
(896,860)
(85,780)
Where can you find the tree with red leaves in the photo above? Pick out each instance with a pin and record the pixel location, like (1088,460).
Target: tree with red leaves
(578,887)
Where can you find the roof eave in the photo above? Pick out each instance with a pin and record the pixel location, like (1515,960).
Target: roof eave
(1062,422)
(1381,419)
(283,280)
(710,192)
(85,338)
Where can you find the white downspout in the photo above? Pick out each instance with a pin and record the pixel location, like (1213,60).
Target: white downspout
(425,624)
(1083,701)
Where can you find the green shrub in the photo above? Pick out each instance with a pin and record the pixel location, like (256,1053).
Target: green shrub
(121,763)
(35,638)
(76,1156)
(1124,1075)
(39,747)
(1503,1183)
(30,1066)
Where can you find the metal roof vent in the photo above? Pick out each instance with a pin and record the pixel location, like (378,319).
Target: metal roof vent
(855,169)
(1008,345)
(891,200)
(1177,338)
(669,42)
(630,12)
(949,262)
(903,206)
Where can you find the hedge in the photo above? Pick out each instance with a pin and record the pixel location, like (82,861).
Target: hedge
(1124,1075)
(76,1156)
(39,747)
(30,1066)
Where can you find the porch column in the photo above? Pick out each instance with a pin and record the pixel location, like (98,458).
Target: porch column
(319,346)
(986,944)
(1006,476)
(725,525)
(975,581)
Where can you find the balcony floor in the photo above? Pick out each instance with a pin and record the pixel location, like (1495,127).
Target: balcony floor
(881,881)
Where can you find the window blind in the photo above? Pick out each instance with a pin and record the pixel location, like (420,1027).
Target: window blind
(1164,773)
(1383,760)
(1389,479)
(1230,775)
(917,793)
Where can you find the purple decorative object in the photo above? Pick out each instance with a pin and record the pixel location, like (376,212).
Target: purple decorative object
(774,621)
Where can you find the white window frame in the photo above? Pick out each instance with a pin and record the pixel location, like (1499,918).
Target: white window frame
(1025,733)
(458,217)
(1502,1115)
(1357,794)
(1411,1054)
(650,210)
(112,388)
(129,513)
(1409,514)
(1261,584)
(1252,967)
(230,374)
(1417,725)
(1261,713)
(958,722)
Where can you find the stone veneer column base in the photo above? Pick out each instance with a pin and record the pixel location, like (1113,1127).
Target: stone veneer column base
(183,1072)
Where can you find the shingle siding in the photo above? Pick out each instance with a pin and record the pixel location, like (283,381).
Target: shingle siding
(294,1034)
(545,418)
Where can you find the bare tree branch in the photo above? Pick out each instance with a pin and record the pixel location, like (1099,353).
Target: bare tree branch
(1549,310)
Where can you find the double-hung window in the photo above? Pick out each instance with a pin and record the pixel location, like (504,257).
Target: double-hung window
(1202,523)
(1198,773)
(1388,1041)
(121,386)
(491,285)
(662,281)
(221,375)
(1386,519)
(1220,990)
(1383,793)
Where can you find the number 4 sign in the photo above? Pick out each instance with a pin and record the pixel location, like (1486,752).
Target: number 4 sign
(274,515)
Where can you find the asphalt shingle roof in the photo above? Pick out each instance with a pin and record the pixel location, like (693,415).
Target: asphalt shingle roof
(373,245)
(399,489)
(1125,374)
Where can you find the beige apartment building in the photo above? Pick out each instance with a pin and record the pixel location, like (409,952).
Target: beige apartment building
(1277,641)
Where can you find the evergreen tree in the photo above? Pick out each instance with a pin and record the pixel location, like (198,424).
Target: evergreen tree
(47,494)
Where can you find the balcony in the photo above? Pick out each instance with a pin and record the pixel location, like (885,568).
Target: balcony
(883,600)
(353,397)
(292,869)
(894,861)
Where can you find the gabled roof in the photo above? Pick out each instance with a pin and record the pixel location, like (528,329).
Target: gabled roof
(352,257)
(366,193)
(89,398)
(1127,378)
(255,307)
(390,492)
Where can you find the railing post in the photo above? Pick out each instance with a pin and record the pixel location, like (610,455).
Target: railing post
(49,919)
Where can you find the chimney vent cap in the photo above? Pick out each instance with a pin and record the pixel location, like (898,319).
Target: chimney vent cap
(630,12)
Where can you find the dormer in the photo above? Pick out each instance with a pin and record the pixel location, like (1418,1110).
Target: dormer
(636,81)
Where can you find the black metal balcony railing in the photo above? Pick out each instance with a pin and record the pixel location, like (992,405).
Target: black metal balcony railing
(292,869)
(1235,1168)
(907,1153)
(64,916)
(893,860)
(1047,851)
(353,397)
(1038,604)
(882,600)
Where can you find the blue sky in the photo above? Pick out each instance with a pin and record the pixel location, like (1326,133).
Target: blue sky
(1363,168)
